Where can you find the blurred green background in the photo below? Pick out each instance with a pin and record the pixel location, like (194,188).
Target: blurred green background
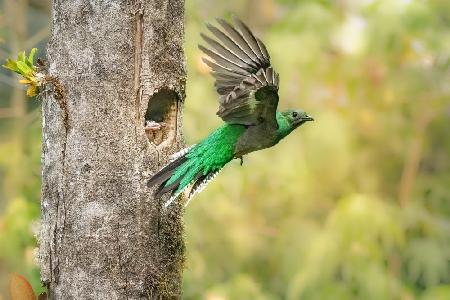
(352,206)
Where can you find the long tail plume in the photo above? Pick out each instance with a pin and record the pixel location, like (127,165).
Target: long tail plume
(193,177)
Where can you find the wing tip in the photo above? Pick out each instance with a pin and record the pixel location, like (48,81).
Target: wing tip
(236,19)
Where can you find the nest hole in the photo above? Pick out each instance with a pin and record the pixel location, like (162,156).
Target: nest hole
(161,116)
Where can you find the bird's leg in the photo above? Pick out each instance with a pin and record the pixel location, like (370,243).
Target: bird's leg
(242,160)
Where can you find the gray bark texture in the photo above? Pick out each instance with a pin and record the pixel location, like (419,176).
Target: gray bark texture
(117,64)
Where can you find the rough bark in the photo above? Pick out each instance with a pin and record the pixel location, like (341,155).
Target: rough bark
(102,235)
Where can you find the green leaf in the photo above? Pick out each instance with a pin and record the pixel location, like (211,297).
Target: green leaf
(31,58)
(11,65)
(24,69)
(21,56)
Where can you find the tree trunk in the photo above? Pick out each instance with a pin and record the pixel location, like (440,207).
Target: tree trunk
(103,236)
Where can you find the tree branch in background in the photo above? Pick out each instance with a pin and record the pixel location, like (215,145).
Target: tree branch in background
(412,162)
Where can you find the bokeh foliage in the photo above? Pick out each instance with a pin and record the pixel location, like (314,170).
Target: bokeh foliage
(352,206)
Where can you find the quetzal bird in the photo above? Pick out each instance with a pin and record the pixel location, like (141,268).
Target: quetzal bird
(247,86)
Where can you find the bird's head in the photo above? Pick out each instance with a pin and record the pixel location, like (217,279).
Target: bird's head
(296,117)
(291,119)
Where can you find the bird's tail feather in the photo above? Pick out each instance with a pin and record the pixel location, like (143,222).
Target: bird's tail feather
(196,184)
(165,173)
(201,183)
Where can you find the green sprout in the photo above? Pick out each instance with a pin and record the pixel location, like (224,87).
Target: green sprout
(25,67)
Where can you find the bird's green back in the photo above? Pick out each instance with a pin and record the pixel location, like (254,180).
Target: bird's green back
(209,155)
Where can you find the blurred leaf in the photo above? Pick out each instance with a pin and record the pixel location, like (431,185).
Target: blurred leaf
(30,61)
(24,69)
(32,91)
(21,56)
(24,66)
(440,292)
(11,65)
(20,288)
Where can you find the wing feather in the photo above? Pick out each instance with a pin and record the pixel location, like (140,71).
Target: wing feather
(239,41)
(224,70)
(223,62)
(231,44)
(246,82)
(250,39)
(263,49)
(225,52)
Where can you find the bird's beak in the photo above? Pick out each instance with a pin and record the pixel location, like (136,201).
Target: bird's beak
(307,118)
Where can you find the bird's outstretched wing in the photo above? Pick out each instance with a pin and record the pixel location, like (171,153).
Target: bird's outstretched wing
(245,81)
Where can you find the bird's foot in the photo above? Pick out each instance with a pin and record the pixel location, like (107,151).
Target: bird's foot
(242,160)
(153,126)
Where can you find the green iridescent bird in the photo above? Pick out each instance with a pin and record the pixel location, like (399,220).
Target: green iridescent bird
(248,98)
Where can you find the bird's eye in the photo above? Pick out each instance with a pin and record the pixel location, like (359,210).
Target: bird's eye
(295,114)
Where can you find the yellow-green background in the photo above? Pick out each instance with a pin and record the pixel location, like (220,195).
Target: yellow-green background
(352,206)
